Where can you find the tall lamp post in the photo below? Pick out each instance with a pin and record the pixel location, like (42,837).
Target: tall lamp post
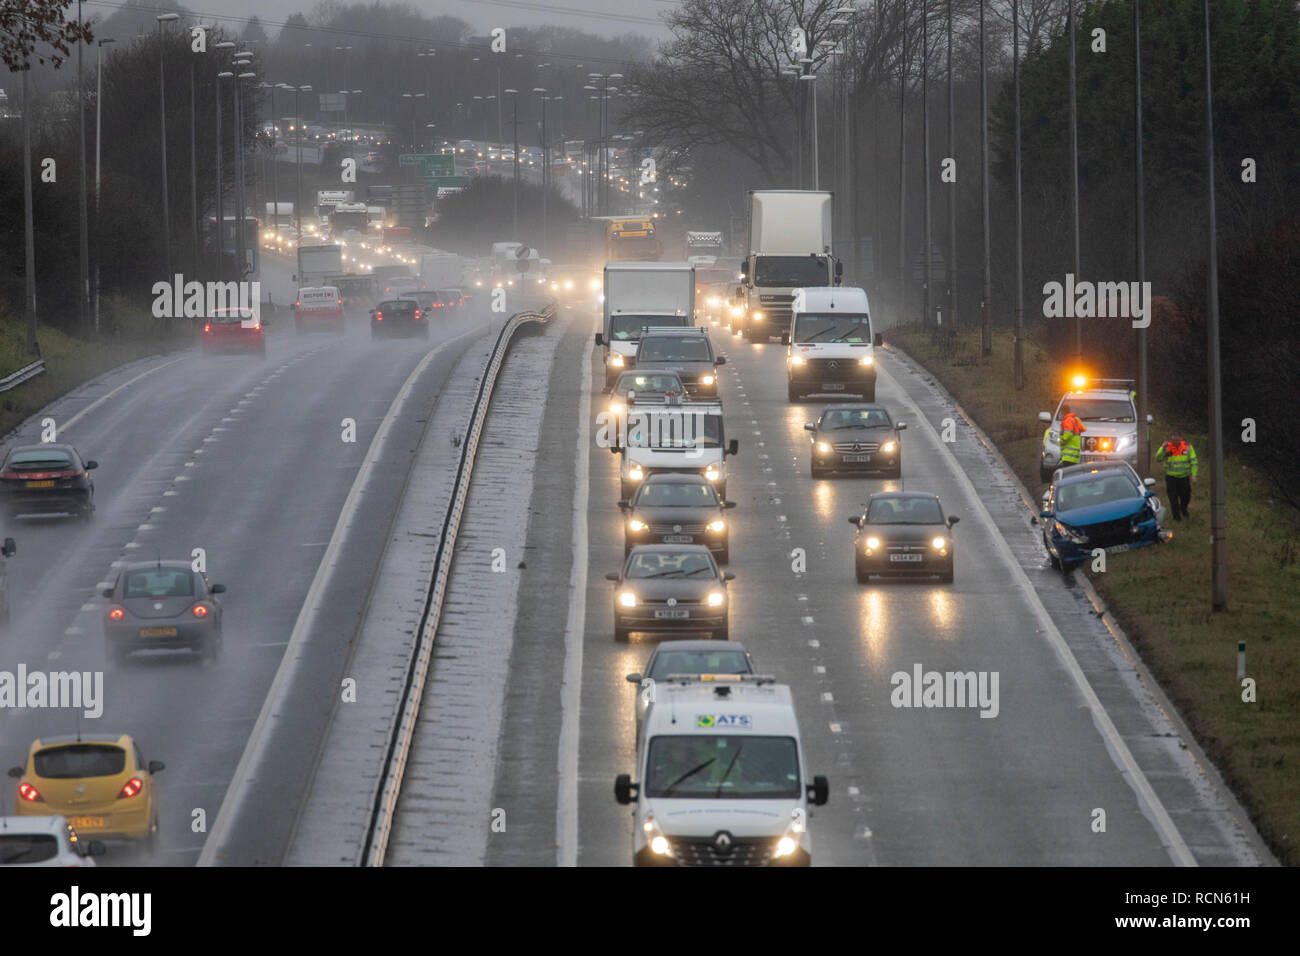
(99,99)
(514,101)
(546,161)
(162,114)
(83,226)
(810,78)
(219,232)
(297,108)
(241,213)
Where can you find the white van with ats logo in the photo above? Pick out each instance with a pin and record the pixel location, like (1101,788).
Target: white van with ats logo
(722,775)
(831,344)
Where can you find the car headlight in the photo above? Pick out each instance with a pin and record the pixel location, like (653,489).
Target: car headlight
(823,447)
(873,543)
(616,360)
(1125,441)
(939,543)
(758,316)
(889,447)
(711,473)
(796,360)
(706,380)
(595,284)
(617,407)
(716,598)
(867,360)
(737,311)
(717,525)
(627,599)
(1069,533)
(713,302)
(568,283)
(636,524)
(635,473)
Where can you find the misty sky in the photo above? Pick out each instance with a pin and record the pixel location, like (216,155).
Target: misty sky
(607,17)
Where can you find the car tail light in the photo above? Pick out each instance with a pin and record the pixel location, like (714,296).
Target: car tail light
(116,614)
(379,316)
(29,793)
(200,610)
(207,327)
(340,301)
(130,788)
(418,315)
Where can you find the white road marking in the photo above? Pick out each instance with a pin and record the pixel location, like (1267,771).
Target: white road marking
(835,728)
(1115,746)
(566,803)
(103,398)
(814,643)
(819,669)
(827,698)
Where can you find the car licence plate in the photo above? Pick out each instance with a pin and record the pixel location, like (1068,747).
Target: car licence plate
(679,539)
(1119,547)
(87,823)
(856,459)
(833,386)
(673,614)
(157,632)
(905,557)
(41,484)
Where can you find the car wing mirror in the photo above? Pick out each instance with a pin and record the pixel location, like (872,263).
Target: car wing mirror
(600,339)
(733,447)
(809,427)
(633,678)
(878,340)
(107,592)
(624,505)
(1044,513)
(856,521)
(625,791)
(10,548)
(728,504)
(728,576)
(785,338)
(952,520)
(900,427)
(819,791)
(1149,482)
(720,360)
(613,576)
(156,766)
(1045,417)
(218,589)
(92,465)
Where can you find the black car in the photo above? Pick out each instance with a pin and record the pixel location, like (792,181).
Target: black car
(859,438)
(48,478)
(398,317)
(675,588)
(688,352)
(163,605)
(674,508)
(903,533)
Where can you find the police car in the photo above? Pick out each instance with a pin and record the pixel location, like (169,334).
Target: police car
(722,776)
(1105,406)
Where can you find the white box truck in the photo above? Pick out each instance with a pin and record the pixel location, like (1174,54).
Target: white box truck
(442,270)
(789,248)
(640,294)
(317,262)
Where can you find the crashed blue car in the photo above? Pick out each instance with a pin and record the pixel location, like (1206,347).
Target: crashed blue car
(1105,507)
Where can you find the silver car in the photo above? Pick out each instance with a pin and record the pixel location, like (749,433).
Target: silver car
(163,605)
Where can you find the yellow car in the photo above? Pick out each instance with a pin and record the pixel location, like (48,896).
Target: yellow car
(100,782)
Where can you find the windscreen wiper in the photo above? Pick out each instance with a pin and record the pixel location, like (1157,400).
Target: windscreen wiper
(734,758)
(694,770)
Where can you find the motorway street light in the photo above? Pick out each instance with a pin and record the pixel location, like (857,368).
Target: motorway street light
(162,114)
(514,94)
(986,327)
(241,213)
(546,164)
(219,235)
(99,98)
(297,109)
(1019,318)
(83,228)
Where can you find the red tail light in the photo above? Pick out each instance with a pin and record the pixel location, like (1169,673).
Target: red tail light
(29,793)
(30,475)
(379,316)
(116,614)
(200,610)
(417,315)
(207,327)
(298,304)
(340,301)
(131,788)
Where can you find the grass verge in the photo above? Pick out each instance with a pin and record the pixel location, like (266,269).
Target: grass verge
(1161,595)
(72,361)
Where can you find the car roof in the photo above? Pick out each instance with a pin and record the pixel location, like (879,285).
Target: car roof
(770,708)
(123,740)
(54,824)
(1081,476)
(668,549)
(901,494)
(60,446)
(1114,393)
(699,645)
(169,563)
(672,478)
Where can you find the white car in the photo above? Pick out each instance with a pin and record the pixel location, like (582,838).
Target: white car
(44,841)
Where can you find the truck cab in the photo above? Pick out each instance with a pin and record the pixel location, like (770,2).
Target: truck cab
(831,346)
(723,779)
(673,436)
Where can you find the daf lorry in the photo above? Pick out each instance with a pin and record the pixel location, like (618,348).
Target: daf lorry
(637,295)
(789,248)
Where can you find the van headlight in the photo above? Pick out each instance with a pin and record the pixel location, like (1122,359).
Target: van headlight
(635,473)
(627,599)
(716,598)
(823,447)
(789,841)
(712,473)
(655,838)
(867,360)
(737,311)
(635,524)
(616,360)
(706,379)
(717,525)
(796,360)
(873,544)
(1125,441)
(757,316)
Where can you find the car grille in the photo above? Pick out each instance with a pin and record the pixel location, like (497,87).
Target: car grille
(836,369)
(697,527)
(1094,444)
(703,851)
(681,602)
(1110,533)
(904,548)
(854,448)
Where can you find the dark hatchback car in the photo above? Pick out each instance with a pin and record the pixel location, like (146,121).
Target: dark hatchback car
(688,352)
(47,479)
(163,605)
(233,330)
(671,508)
(398,317)
(856,438)
(904,534)
(674,588)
